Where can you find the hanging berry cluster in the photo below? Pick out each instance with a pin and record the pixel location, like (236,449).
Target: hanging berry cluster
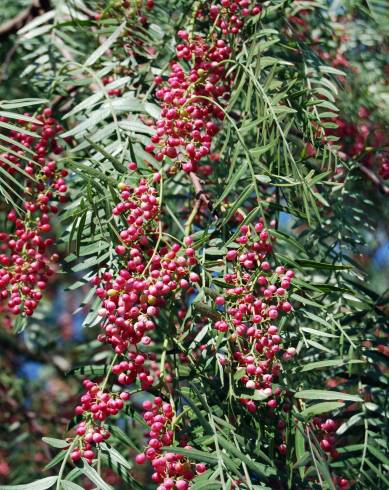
(26,262)
(151,278)
(171,470)
(326,433)
(198,87)
(255,297)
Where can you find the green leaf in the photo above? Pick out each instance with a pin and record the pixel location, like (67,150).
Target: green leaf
(300,447)
(18,103)
(326,395)
(319,408)
(240,200)
(95,478)
(57,459)
(349,423)
(121,436)
(36,485)
(89,369)
(209,484)
(116,456)
(332,70)
(203,421)
(15,115)
(304,301)
(20,129)
(231,184)
(115,162)
(318,319)
(58,443)
(329,363)
(311,264)
(193,454)
(319,346)
(69,485)
(153,109)
(261,470)
(120,470)
(378,454)
(379,473)
(319,333)
(105,46)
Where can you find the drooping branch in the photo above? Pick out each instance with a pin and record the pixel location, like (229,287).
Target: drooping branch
(37,7)
(375,179)
(201,195)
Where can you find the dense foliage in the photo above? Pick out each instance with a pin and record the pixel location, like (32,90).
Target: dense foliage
(199,185)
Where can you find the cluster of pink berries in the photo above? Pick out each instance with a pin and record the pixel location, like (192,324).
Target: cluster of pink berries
(131,302)
(357,140)
(140,208)
(229,15)
(326,434)
(25,266)
(171,470)
(193,99)
(136,368)
(255,297)
(113,92)
(326,430)
(97,405)
(25,260)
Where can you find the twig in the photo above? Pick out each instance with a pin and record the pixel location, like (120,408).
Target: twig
(200,193)
(87,11)
(7,62)
(206,311)
(188,224)
(11,26)
(375,179)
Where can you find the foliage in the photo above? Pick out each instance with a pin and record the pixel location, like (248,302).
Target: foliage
(281,198)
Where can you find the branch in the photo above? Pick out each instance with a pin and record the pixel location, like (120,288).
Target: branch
(206,311)
(200,193)
(375,179)
(11,344)
(7,62)
(12,26)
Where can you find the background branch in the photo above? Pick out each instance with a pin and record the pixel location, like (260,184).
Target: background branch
(37,7)
(375,179)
